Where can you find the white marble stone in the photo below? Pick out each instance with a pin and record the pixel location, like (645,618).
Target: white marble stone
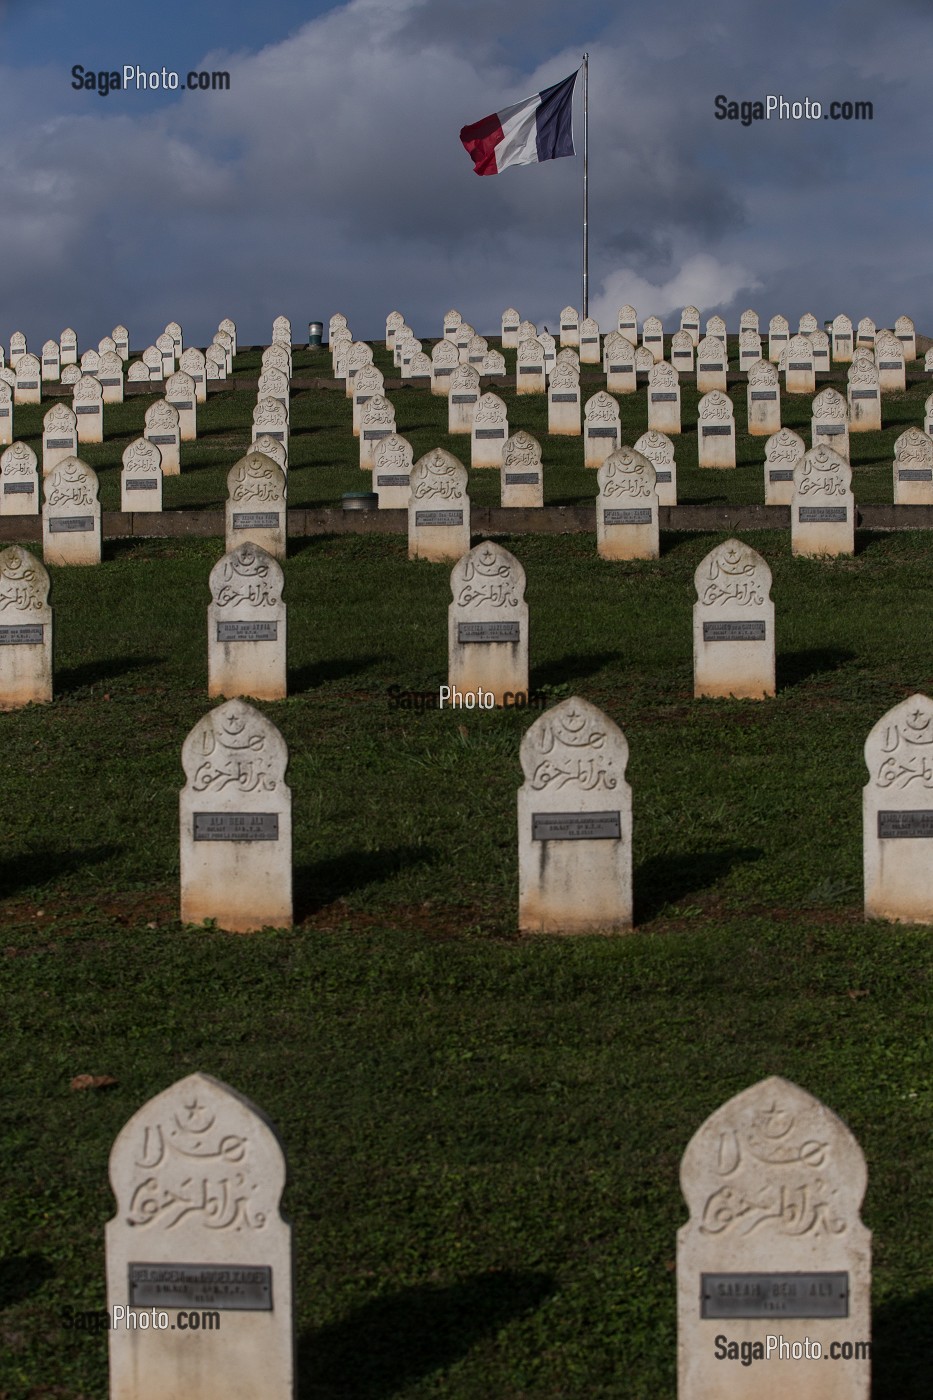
(256,506)
(180,393)
(652,337)
(574,824)
(438,508)
(749,349)
(141,477)
(358,355)
(690,322)
(136,374)
(763,399)
(822,507)
(865,333)
(487,628)
(620,364)
(6,414)
(272,447)
(28,379)
(162,428)
(71,529)
(489,432)
(716,329)
(905,332)
(627,323)
(627,507)
(445,357)
(51,362)
(778,338)
(392,464)
(88,404)
(509,328)
(368,381)
(377,421)
(864,393)
(659,450)
(733,625)
(602,431)
(715,431)
(68,343)
(530,373)
(246,626)
(889,357)
(522,474)
(664,398)
(110,376)
(59,436)
(682,356)
(25,631)
(165,345)
(783,450)
(797,363)
(807,324)
(273,384)
(842,339)
(452,321)
(913,469)
(569,326)
(174,330)
(276,356)
(393,321)
(493,364)
(19,480)
(563,401)
(589,341)
(748,321)
(462,398)
(215,357)
(829,421)
(121,341)
(269,416)
(17,348)
(897,814)
(820,345)
(152,359)
(711,365)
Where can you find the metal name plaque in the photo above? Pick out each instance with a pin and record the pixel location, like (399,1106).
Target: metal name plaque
(531,369)
(463,398)
(182,405)
(781,475)
(110,383)
(4,413)
(641,516)
(565,398)
(863,393)
(778,335)
(910,825)
(70,524)
(373,434)
(913,474)
(830,429)
(487,632)
(233,1288)
(489,432)
(662,476)
(682,354)
(31,384)
(711,369)
(141,483)
(438,517)
(526,478)
(439,372)
(568,328)
(618,369)
(602,432)
(60,442)
(733,631)
(663,398)
(87,407)
(764,395)
(236,826)
(27,488)
(363,398)
(256,520)
(882,364)
(247,631)
(576,826)
(161,439)
(717,430)
(800,364)
(801,1295)
(822,515)
(30,636)
(392,480)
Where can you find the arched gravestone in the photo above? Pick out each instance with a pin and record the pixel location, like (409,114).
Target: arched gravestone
(393,321)
(358,355)
(563,401)
(748,321)
(276,356)
(842,341)
(28,387)
(110,376)
(644,363)
(489,432)
(627,507)
(407,350)
(141,478)
(927,412)
(659,450)
(166,348)
(271,447)
(627,323)
(71,518)
(797,363)
(652,337)
(161,427)
(90,362)
(236,822)
(25,631)
(136,374)
(527,330)
(487,627)
(269,416)
(445,357)
(198,1174)
(51,361)
(749,349)
(822,507)
(392,463)
(402,336)
(337,322)
(452,321)
(282,331)
(152,359)
(807,324)
(174,330)
(829,422)
(569,326)
(530,377)
(476,351)
(377,422)
(905,332)
(664,398)
(215,357)
(340,343)
(897,814)
(369,381)
(774,1248)
(819,340)
(121,341)
(493,363)
(230,328)
(589,341)
(889,357)
(462,400)
(246,622)
(783,450)
(255,508)
(549,347)
(733,624)
(865,333)
(522,480)
(602,432)
(272,384)
(778,336)
(690,322)
(864,393)
(17,348)
(716,329)
(715,431)
(59,436)
(682,352)
(574,824)
(465,333)
(620,364)
(438,508)
(106,346)
(420,368)
(509,327)
(68,341)
(763,398)
(88,403)
(913,469)
(711,365)
(6,414)
(179,392)
(19,480)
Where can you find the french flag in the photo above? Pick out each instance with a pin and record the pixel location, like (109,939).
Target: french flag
(540,128)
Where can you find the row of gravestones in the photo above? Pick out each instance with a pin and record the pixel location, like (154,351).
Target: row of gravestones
(774,1251)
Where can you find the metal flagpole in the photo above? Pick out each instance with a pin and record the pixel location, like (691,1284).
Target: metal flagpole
(586,191)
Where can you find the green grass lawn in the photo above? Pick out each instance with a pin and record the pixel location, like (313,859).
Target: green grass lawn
(483,1130)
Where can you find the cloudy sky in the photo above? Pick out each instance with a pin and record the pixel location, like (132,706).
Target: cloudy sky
(330,176)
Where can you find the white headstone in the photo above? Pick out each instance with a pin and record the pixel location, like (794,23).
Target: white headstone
(88,402)
(358,355)
(889,357)
(652,336)
(733,624)
(246,636)
(913,471)
(165,345)
(487,629)
(230,328)
(476,351)
(19,480)
(783,450)
(161,427)
(377,421)
(393,321)
(462,399)
(68,341)
(256,507)
(216,356)
(392,463)
(530,374)
(489,432)
(271,447)
(152,359)
(136,374)
(602,432)
(664,398)
(822,507)
(627,323)
(192,362)
(6,414)
(763,398)
(28,379)
(369,381)
(716,329)
(276,356)
(493,363)
(141,478)
(589,341)
(927,415)
(452,321)
(110,377)
(121,341)
(510,323)
(71,518)
(748,321)
(59,436)
(569,326)
(438,508)
(906,334)
(711,365)
(25,631)
(51,362)
(807,324)
(864,393)
(563,401)
(659,450)
(842,340)
(749,349)
(620,364)
(829,423)
(174,330)
(627,507)
(778,337)
(445,358)
(179,392)
(865,333)
(897,814)
(574,824)
(273,384)
(269,416)
(522,473)
(819,340)
(682,357)
(715,431)
(797,364)
(17,348)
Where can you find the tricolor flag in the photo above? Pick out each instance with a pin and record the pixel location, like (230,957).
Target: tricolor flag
(540,128)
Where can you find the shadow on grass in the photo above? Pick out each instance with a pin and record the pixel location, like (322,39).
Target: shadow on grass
(40,867)
(902,1348)
(574,666)
(664,880)
(71,678)
(795,667)
(320,672)
(390,1343)
(22,1275)
(319,884)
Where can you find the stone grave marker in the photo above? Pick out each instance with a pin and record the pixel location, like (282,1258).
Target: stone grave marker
(509,327)
(913,472)
(822,507)
(88,403)
(487,626)
(6,414)
(340,343)
(421,369)
(682,352)
(269,416)
(107,346)
(110,377)
(711,365)
(282,331)
(230,328)
(620,365)
(627,323)
(25,631)
(748,321)
(465,333)
(162,428)
(602,431)
(778,337)
(904,332)
(819,340)
(829,422)
(19,480)
(51,362)
(530,374)
(476,351)
(8,377)
(90,362)
(377,421)
(174,330)
(897,814)
(589,341)
(198,1174)
(179,392)
(393,321)
(865,333)
(121,341)
(797,364)
(136,374)
(255,508)
(574,824)
(141,478)
(438,507)
(664,398)
(17,348)
(152,359)
(783,450)
(863,391)
(246,626)
(522,474)
(410,348)
(59,436)
(68,344)
(644,363)
(563,401)
(490,430)
(527,330)
(271,447)
(774,1252)
(192,363)
(445,357)
(763,397)
(369,381)
(627,507)
(716,329)
(215,357)
(392,463)
(889,357)
(358,355)
(276,356)
(402,336)
(569,326)
(337,322)
(452,320)
(71,531)
(549,347)
(493,363)
(659,450)
(749,349)
(690,322)
(715,431)
(273,384)
(652,337)
(807,324)
(226,344)
(842,339)
(166,348)
(462,400)
(733,625)
(28,379)
(927,415)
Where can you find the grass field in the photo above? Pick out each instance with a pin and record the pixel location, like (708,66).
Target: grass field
(483,1131)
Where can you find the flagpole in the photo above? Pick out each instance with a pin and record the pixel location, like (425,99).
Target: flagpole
(586,191)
